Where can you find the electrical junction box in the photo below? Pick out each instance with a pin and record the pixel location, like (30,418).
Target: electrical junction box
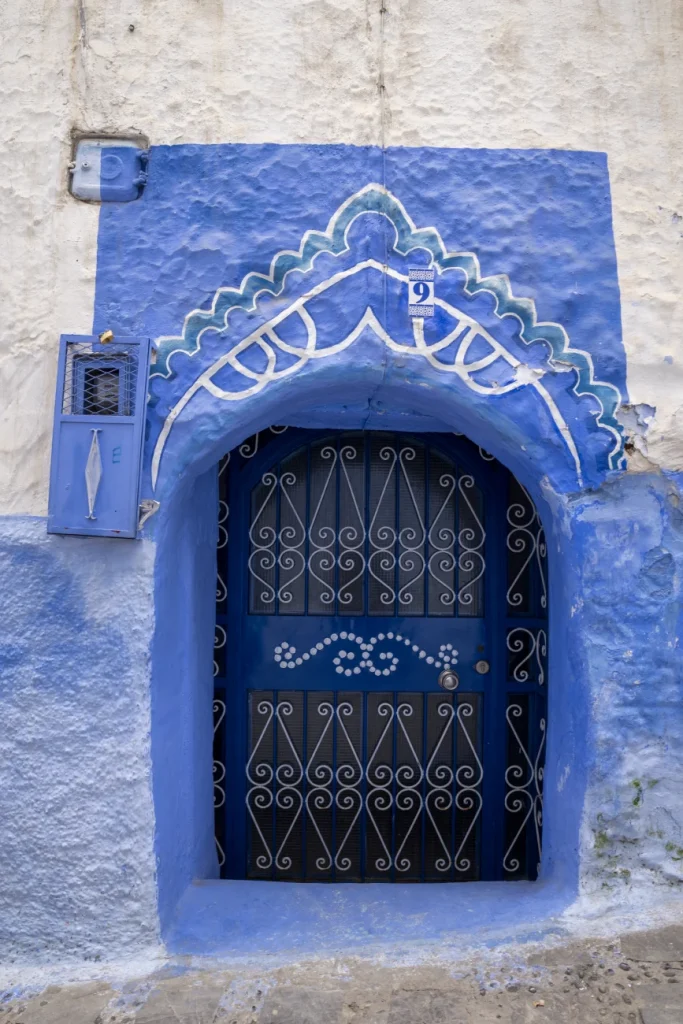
(109,170)
(99,429)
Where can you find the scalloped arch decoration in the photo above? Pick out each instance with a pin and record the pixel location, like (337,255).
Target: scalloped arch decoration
(467,349)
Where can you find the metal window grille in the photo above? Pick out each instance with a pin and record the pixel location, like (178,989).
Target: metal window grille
(99,383)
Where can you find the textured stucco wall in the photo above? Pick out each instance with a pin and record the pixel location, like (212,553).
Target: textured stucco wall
(588,76)
(627,614)
(210,217)
(77,855)
(582,76)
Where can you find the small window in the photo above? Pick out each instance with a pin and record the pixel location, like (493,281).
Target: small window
(97,385)
(101,391)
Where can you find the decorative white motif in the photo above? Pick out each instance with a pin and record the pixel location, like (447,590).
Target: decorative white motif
(220,639)
(93,473)
(351,663)
(464,335)
(218,774)
(273,348)
(371,788)
(251,446)
(247,450)
(528,644)
(524,789)
(223,513)
(403,554)
(526,539)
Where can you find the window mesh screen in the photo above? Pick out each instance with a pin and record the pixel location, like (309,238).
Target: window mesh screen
(99,383)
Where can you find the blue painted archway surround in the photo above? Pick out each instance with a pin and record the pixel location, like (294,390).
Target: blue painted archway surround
(350,287)
(274,280)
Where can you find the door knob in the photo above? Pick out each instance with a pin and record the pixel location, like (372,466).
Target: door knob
(448,679)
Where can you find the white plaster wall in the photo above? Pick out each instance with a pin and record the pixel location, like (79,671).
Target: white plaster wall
(589,74)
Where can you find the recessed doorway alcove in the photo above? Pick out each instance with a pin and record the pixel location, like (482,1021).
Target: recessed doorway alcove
(284,910)
(380,661)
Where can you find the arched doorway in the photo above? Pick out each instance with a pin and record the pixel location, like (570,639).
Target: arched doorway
(325,341)
(380,661)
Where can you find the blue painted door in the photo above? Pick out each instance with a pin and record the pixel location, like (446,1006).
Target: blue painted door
(380,670)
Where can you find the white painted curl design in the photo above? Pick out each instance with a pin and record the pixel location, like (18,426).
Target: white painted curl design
(218,774)
(247,450)
(219,641)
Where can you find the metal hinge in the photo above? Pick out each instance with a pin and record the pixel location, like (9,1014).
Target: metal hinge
(148,506)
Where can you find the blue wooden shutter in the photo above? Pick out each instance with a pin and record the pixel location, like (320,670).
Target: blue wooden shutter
(98,436)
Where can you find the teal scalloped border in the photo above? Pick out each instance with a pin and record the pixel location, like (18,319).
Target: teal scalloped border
(375,198)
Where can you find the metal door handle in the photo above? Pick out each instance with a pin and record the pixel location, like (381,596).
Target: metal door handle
(448,679)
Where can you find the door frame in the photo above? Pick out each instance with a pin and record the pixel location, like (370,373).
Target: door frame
(492,477)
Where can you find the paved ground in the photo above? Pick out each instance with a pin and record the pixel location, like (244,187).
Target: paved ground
(638,979)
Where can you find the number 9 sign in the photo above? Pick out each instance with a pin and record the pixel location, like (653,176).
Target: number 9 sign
(420,292)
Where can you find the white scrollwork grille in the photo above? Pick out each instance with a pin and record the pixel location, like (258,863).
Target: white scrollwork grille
(245,451)
(527,655)
(219,642)
(527,589)
(222,545)
(219,775)
(367,524)
(380,786)
(526,641)
(364,786)
(524,788)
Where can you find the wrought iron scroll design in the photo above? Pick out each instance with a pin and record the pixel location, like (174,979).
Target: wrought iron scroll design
(409,564)
(528,653)
(527,674)
(524,796)
(363,784)
(439,545)
(218,773)
(247,450)
(527,559)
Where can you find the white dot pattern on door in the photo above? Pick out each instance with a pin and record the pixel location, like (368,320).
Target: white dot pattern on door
(349,662)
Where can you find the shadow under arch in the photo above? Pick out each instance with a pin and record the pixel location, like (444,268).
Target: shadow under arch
(199,914)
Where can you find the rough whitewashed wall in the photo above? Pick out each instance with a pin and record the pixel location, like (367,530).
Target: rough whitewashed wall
(588,75)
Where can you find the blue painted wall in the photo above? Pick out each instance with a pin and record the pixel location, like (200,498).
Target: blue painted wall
(182,692)
(213,217)
(75,793)
(212,214)
(77,654)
